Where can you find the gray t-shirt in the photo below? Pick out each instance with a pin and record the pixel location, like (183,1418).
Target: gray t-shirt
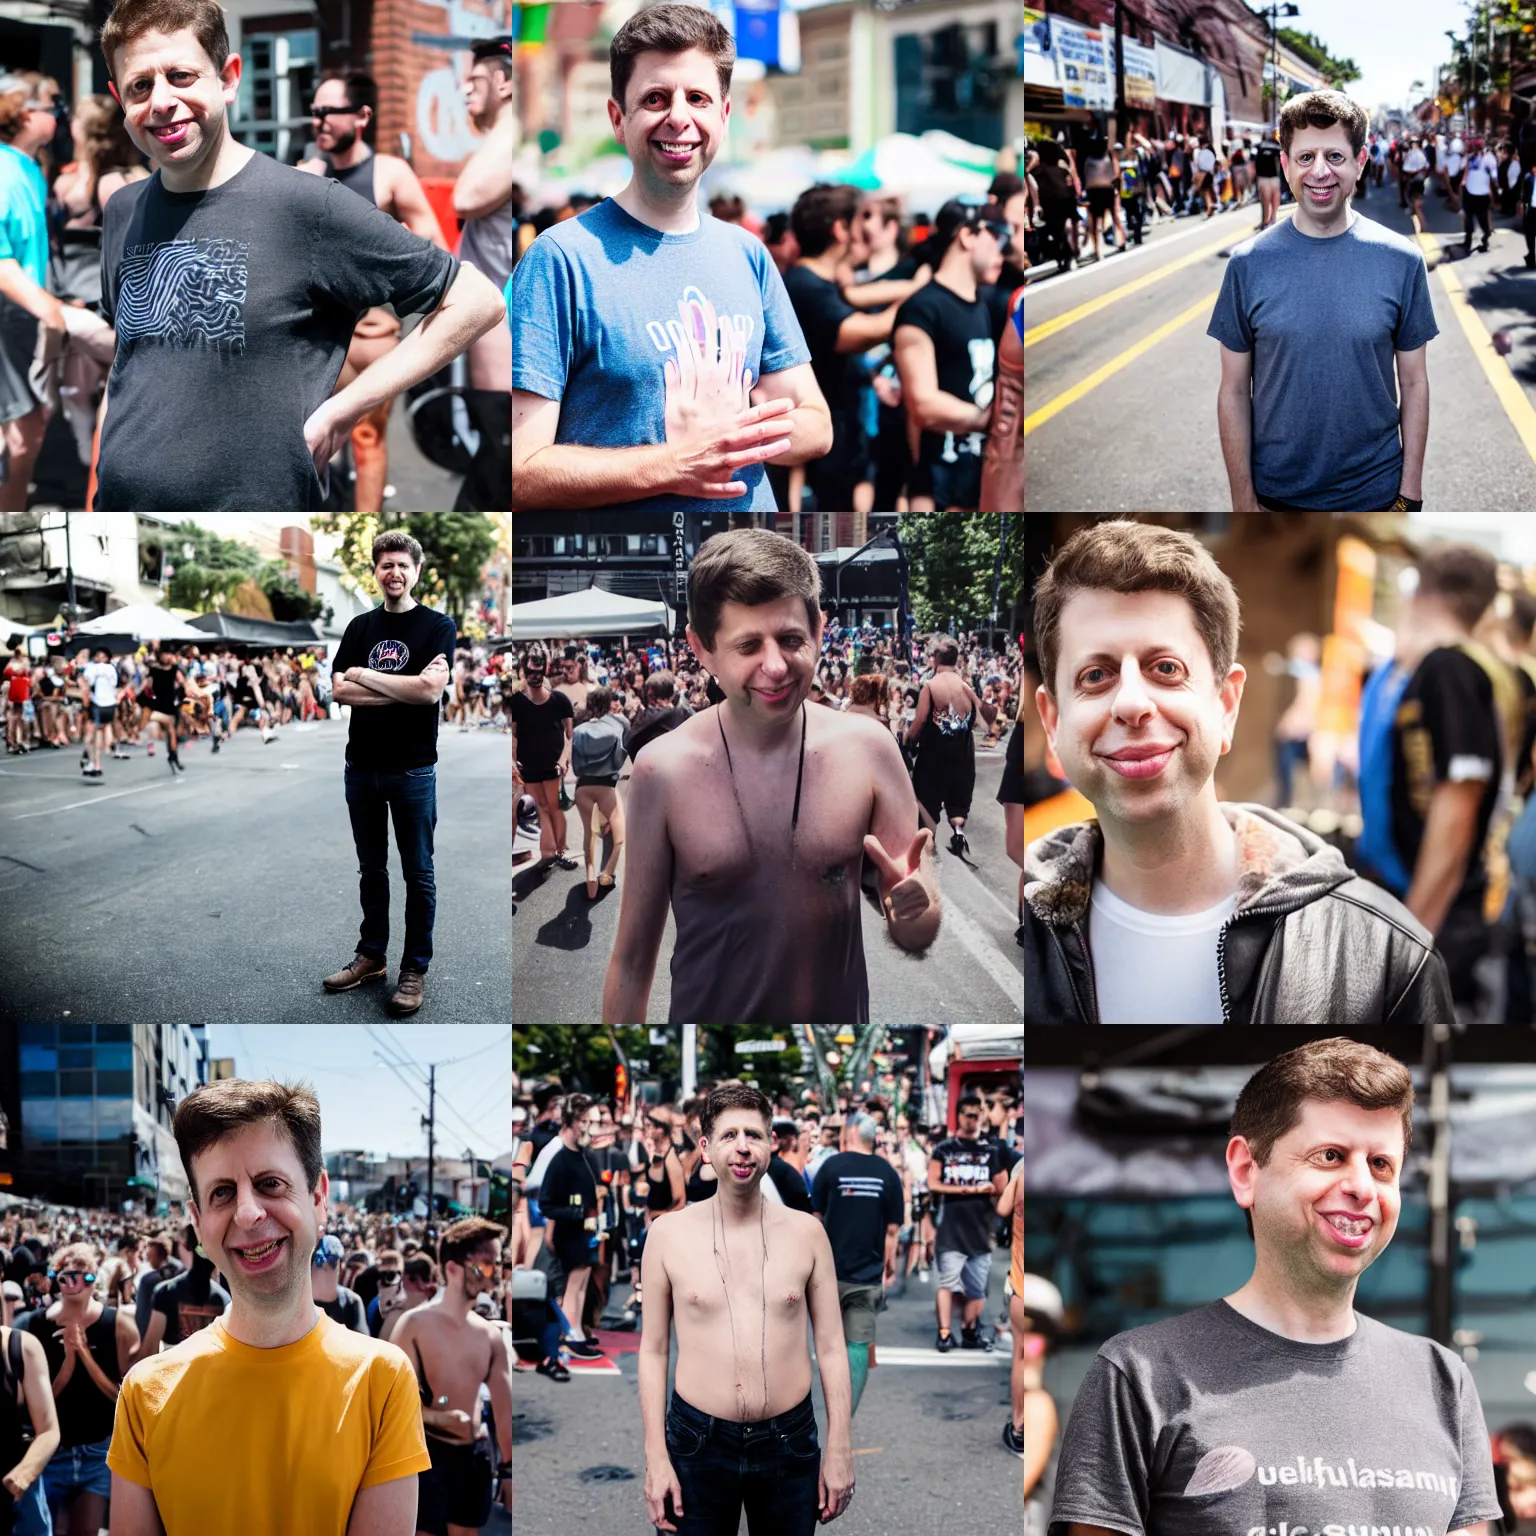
(1209,1425)
(1323,319)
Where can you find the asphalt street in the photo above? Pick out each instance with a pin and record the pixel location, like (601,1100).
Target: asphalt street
(928,1455)
(1120,408)
(973,973)
(226,896)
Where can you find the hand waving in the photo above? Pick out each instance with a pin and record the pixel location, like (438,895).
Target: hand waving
(905,888)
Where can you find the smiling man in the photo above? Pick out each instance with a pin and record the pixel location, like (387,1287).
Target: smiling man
(656,360)
(1314,315)
(274,1417)
(235,284)
(1173,907)
(752,819)
(1280,1407)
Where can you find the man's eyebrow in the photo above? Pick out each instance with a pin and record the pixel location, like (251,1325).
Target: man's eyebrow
(1146,650)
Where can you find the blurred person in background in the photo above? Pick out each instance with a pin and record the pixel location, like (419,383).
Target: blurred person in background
(723,205)
(418,1285)
(1510,639)
(779,237)
(1293,730)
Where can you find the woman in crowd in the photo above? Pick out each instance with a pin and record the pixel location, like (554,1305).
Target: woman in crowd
(599,746)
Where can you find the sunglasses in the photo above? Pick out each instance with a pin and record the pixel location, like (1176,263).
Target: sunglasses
(389,1277)
(320,114)
(485,1271)
(73,1276)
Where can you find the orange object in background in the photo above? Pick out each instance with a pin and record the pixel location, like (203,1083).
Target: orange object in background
(439,190)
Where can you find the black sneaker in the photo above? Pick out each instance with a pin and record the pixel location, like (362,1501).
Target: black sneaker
(970,1338)
(946,1342)
(584,1349)
(553,1369)
(1013,1439)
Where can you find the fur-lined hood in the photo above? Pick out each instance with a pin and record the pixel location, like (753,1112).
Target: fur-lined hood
(1280,865)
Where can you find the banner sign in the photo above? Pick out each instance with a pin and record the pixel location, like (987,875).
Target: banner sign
(1140,76)
(1083,64)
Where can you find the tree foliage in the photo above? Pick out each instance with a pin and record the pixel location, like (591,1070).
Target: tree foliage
(1308,46)
(206,568)
(953,556)
(454,549)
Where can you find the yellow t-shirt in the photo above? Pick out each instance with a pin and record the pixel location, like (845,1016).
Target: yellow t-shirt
(234,1438)
(1016,1264)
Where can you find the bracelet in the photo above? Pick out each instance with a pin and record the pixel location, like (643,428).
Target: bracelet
(1405,504)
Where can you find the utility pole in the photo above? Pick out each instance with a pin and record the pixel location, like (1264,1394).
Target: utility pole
(429,1120)
(73,615)
(1122,131)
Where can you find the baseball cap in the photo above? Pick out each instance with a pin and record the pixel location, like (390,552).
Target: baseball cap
(1043,1306)
(967,213)
(328,1250)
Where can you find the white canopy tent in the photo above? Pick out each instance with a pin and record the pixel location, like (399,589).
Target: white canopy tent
(142,621)
(592,612)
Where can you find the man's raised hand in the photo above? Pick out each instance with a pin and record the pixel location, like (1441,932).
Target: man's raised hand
(905,888)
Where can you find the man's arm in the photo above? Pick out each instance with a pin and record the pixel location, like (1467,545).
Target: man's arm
(1234,419)
(485,183)
(1002,460)
(836,1385)
(859,332)
(134,1511)
(1450,830)
(409,202)
(424,687)
(655,1350)
(1413,414)
(645,901)
(42,1413)
(385,1509)
(931,408)
(808,423)
(883,292)
(355,695)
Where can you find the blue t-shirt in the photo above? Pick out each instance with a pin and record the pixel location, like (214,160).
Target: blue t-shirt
(1323,319)
(594,307)
(23,225)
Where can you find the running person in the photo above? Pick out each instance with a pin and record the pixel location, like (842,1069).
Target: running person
(234,284)
(166,692)
(944,776)
(945,354)
(656,360)
(455,1352)
(744,1436)
(1416,170)
(273,1383)
(762,804)
(99,687)
(392,667)
(344,108)
(544,720)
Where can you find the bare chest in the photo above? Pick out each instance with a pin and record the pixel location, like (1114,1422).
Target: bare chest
(723,1277)
(450,1362)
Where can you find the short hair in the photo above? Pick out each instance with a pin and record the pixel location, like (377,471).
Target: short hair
(1321,109)
(889,208)
(947,653)
(127,1240)
(1126,557)
(131,19)
(867,1129)
(598,700)
(865,689)
(1522,614)
(1335,1070)
(216,1110)
(420,1268)
(817,209)
(20,87)
(727,206)
(669,29)
(733,1096)
(396,541)
(1463,577)
(969,1101)
(77,1255)
(496,51)
(574,1108)
(661,684)
(1005,184)
(750,566)
(468,1236)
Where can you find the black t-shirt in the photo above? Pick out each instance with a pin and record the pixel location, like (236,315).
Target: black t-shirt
(394,737)
(165,684)
(653,722)
(347,1309)
(1527,726)
(568,1194)
(1445,729)
(904,270)
(964,354)
(821,309)
(541,737)
(233,309)
(546,1130)
(790,1183)
(964,1222)
(187,1306)
(859,1195)
(1266,159)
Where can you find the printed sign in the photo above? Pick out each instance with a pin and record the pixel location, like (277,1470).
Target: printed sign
(1083,64)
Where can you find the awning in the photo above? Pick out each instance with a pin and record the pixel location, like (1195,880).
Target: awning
(140,621)
(592,612)
(243,631)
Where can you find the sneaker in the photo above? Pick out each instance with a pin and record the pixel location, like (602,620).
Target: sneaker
(584,1349)
(564,861)
(1013,1439)
(970,1338)
(944,1342)
(215,743)
(922,1276)
(410,992)
(354,973)
(553,1369)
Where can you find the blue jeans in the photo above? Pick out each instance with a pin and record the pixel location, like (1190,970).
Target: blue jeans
(77,1466)
(33,1517)
(410,798)
(772,1468)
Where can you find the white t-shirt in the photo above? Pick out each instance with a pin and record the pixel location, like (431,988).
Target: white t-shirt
(1152,969)
(101,678)
(1481,169)
(1415,162)
(1205,159)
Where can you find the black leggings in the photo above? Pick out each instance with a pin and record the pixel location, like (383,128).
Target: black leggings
(1060,215)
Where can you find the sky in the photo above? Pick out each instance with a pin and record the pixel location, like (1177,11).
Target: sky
(364,1106)
(1393,42)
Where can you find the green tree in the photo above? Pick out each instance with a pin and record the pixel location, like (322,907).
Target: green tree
(952,557)
(454,549)
(206,568)
(290,602)
(1307,46)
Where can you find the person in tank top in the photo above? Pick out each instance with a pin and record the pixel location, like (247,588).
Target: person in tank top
(25,1398)
(343,110)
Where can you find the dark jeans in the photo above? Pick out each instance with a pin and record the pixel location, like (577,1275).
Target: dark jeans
(411,799)
(773,1468)
(1289,756)
(1474,209)
(1135,210)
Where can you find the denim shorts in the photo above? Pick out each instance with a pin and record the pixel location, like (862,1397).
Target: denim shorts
(77,1466)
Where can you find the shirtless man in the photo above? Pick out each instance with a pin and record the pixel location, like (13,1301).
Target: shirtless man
(744,1436)
(573,682)
(753,818)
(342,111)
(119,1276)
(454,1350)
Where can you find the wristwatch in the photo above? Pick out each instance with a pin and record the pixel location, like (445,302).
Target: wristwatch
(1405,504)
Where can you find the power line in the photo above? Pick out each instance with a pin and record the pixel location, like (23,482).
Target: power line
(471,1131)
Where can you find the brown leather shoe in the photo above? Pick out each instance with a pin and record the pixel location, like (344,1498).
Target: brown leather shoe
(354,973)
(410,993)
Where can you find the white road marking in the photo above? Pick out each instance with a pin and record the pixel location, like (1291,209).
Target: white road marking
(984,951)
(74,805)
(908,1355)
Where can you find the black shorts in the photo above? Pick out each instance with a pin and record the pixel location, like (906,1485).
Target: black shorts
(1416,187)
(1011,790)
(1100,200)
(103,714)
(950,485)
(459,1489)
(541,775)
(571,1244)
(597,781)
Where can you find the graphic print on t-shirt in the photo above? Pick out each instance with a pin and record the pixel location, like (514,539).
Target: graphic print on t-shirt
(389,656)
(1229,1467)
(186,293)
(668,335)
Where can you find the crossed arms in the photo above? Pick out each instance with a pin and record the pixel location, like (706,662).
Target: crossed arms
(363,688)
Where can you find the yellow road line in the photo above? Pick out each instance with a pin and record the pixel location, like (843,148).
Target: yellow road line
(1049,328)
(1512,397)
(1115,364)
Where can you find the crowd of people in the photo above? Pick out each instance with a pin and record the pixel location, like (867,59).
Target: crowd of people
(176,693)
(593,1177)
(71,293)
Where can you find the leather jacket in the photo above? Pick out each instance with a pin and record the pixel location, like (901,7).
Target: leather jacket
(1310,942)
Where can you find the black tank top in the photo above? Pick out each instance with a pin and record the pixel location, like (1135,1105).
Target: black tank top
(13,1416)
(356,178)
(698,1187)
(658,1197)
(85,1411)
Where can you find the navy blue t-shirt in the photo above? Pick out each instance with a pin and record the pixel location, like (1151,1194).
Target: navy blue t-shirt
(859,1195)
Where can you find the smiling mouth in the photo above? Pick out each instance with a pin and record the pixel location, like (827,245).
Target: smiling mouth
(261,1251)
(171,132)
(1352,1231)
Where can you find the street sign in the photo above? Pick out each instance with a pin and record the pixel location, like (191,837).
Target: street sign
(658,1037)
(757,1047)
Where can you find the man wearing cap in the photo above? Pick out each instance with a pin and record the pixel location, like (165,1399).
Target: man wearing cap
(946,347)
(1476,186)
(339,1301)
